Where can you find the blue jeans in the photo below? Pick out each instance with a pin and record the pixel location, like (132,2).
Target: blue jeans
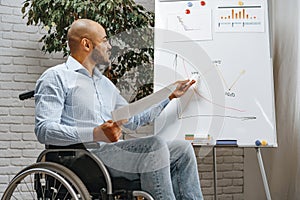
(167,170)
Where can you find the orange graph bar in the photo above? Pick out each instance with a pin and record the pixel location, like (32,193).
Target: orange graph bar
(238,14)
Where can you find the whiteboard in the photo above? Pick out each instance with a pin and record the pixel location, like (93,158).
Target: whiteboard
(225,45)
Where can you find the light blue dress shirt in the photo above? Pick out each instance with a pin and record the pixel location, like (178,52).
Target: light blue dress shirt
(70,103)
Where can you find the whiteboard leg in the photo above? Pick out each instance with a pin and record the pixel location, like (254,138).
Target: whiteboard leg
(215,172)
(263,173)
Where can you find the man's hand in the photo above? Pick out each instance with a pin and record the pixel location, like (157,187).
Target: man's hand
(109,131)
(181,88)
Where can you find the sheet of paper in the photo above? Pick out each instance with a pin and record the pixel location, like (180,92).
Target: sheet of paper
(139,106)
(196,25)
(246,18)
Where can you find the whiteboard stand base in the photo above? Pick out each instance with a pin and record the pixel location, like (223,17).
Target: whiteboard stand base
(263,173)
(261,166)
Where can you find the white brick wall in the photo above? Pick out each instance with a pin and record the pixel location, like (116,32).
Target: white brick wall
(22,62)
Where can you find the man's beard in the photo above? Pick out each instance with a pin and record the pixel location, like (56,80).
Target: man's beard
(99,60)
(102,68)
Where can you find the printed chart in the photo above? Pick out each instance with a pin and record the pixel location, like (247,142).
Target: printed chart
(246,18)
(196,25)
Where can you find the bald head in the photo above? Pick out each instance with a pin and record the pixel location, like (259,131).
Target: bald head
(89,44)
(82,28)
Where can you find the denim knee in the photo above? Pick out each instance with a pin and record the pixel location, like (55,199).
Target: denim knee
(180,148)
(158,156)
(157,143)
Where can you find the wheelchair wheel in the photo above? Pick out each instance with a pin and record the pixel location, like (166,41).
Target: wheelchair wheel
(46,181)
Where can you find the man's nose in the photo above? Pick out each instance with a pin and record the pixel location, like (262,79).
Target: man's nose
(109,46)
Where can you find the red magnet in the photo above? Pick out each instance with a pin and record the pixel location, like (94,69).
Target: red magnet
(202,3)
(187,11)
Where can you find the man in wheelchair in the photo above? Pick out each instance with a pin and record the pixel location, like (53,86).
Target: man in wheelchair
(74,102)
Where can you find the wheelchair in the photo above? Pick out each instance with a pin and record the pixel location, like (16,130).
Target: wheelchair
(70,173)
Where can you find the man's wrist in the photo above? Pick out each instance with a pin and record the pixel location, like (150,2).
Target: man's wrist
(94,134)
(172,96)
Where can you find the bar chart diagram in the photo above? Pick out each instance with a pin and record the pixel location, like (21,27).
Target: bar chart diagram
(247,18)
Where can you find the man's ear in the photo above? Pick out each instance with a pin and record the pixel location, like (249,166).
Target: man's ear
(86,44)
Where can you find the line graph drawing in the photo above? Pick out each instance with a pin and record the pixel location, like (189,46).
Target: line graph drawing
(196,25)
(185,111)
(228,86)
(188,26)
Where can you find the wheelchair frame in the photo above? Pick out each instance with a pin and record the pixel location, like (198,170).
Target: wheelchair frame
(46,174)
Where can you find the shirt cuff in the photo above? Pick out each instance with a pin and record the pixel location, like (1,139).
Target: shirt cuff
(165,102)
(85,134)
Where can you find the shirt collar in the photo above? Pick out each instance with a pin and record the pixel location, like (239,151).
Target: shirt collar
(74,65)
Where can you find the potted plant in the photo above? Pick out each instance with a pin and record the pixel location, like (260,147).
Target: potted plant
(128,25)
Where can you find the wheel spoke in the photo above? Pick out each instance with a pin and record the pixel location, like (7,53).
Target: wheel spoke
(14,197)
(42,181)
(32,185)
(29,188)
(57,190)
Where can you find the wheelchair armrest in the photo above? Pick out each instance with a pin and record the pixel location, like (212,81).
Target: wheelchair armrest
(26,95)
(86,145)
(91,145)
